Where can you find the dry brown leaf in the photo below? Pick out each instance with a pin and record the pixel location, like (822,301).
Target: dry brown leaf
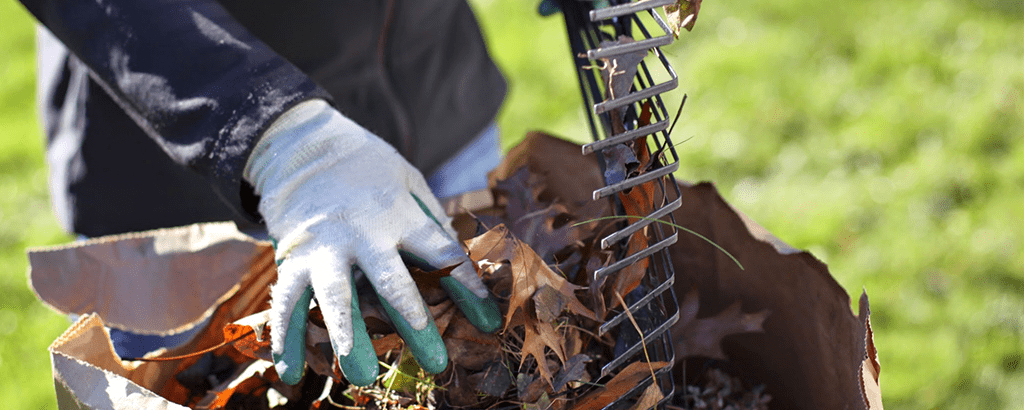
(429,278)
(443,313)
(468,347)
(461,392)
(626,379)
(548,303)
(530,387)
(550,157)
(682,14)
(494,380)
(518,194)
(386,344)
(547,227)
(629,277)
(703,337)
(637,201)
(529,272)
(619,161)
(618,72)
(573,370)
(428,282)
(319,352)
(251,335)
(649,398)
(538,336)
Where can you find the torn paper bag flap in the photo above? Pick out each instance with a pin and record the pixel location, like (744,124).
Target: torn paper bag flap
(155,282)
(88,375)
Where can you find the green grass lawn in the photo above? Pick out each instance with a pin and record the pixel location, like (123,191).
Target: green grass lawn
(26,326)
(883,137)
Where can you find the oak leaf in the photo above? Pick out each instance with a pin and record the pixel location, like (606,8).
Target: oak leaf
(548,303)
(703,337)
(547,227)
(529,272)
(539,335)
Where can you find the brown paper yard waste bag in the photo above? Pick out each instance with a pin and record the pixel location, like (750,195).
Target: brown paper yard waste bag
(199,273)
(813,352)
(88,375)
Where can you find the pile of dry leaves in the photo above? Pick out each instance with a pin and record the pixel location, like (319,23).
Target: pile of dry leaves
(536,247)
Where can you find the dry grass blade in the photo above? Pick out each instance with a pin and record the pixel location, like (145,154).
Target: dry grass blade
(643,341)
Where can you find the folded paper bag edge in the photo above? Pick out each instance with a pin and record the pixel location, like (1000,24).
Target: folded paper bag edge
(98,274)
(87,374)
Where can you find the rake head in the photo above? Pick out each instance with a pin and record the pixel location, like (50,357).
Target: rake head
(622,74)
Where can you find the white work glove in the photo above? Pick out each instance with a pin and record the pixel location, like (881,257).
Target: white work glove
(337,197)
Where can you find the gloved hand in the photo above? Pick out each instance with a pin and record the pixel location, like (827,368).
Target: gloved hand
(336,197)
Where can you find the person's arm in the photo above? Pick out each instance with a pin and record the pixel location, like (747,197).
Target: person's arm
(191,76)
(335,195)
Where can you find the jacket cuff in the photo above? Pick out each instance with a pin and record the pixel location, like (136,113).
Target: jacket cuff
(226,162)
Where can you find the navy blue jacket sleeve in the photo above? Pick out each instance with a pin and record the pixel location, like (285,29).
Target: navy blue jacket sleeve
(189,74)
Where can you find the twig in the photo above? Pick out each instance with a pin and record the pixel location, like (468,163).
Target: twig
(186,356)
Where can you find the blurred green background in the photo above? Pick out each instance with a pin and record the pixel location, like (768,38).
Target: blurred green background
(881,136)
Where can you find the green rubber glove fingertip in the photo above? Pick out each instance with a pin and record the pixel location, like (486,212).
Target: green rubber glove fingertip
(291,363)
(425,344)
(360,365)
(483,313)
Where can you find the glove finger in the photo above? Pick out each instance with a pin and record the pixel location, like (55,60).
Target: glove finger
(288,311)
(391,280)
(432,245)
(429,204)
(424,344)
(419,188)
(331,278)
(360,365)
(483,313)
(464,286)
